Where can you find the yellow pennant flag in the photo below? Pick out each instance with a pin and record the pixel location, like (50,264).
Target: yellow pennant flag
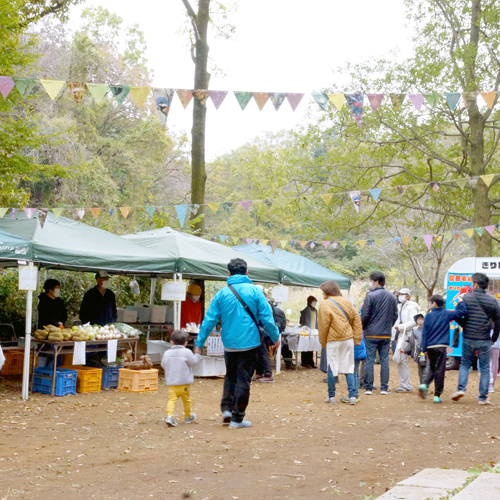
(303,244)
(362,243)
(263,242)
(343,243)
(140,94)
(57,212)
(489,98)
(125,211)
(337,100)
(379,242)
(53,87)
(488,179)
(327,198)
(284,243)
(469,232)
(214,207)
(406,240)
(419,188)
(439,238)
(95,212)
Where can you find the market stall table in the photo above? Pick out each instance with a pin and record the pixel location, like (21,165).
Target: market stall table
(59,348)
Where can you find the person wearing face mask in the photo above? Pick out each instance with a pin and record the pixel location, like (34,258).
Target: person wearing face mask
(99,303)
(51,308)
(191,307)
(309,318)
(407,310)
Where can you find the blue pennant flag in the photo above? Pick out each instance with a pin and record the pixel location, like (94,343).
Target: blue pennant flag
(222,238)
(181,213)
(453,98)
(150,210)
(375,193)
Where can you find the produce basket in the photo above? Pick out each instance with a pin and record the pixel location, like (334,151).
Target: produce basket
(110,376)
(14,361)
(89,379)
(138,380)
(65,381)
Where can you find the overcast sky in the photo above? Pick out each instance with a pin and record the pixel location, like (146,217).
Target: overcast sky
(279,46)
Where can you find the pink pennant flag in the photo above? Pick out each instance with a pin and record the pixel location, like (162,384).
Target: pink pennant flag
(246,204)
(6,85)
(326,244)
(249,241)
(489,229)
(417,100)
(375,100)
(217,97)
(294,100)
(428,240)
(29,212)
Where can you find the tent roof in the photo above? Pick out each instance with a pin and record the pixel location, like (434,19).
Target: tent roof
(67,244)
(13,247)
(295,269)
(198,258)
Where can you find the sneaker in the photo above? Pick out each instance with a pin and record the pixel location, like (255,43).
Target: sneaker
(437,400)
(257,377)
(171,422)
(352,401)
(368,392)
(491,389)
(240,425)
(422,391)
(484,402)
(344,400)
(385,393)
(191,419)
(402,389)
(266,380)
(331,401)
(226,417)
(458,395)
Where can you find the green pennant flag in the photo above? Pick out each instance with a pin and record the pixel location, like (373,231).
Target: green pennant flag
(120,92)
(432,99)
(97,90)
(283,243)
(281,202)
(461,183)
(379,242)
(343,244)
(479,230)
(3,211)
(24,86)
(57,212)
(397,100)
(243,99)
(448,235)
(150,210)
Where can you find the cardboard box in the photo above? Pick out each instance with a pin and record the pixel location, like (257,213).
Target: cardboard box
(126,315)
(158,314)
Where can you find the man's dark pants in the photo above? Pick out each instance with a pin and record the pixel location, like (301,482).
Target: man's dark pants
(240,366)
(263,366)
(383,347)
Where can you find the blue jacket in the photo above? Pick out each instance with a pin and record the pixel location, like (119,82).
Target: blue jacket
(360,350)
(238,329)
(436,329)
(379,313)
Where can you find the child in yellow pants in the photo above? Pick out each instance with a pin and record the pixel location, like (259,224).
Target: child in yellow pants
(178,363)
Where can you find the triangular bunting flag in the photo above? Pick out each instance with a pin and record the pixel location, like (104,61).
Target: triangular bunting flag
(312,244)
(227,206)
(488,179)
(217,97)
(321,99)
(97,90)
(80,213)
(120,92)
(362,243)
(243,99)
(356,199)
(461,183)
(439,238)
(125,211)
(42,216)
(375,100)
(456,234)
(6,85)
(419,188)
(337,100)
(29,212)
(417,100)
(277,99)
(432,99)
(140,94)
(489,229)
(453,98)
(401,190)
(201,96)
(283,243)
(379,242)
(479,230)
(78,90)
(111,212)
(24,86)
(274,245)
(194,208)
(334,245)
(181,211)
(428,241)
(222,238)
(294,100)
(57,212)
(397,240)
(303,244)
(13,212)
(397,100)
(264,243)
(406,240)
(469,232)
(3,211)
(489,98)
(355,103)
(163,99)
(448,235)
(343,244)
(185,97)
(326,244)
(53,87)
(435,186)
(327,198)
(249,241)
(150,210)
(260,98)
(214,207)
(95,212)
(375,192)
(246,204)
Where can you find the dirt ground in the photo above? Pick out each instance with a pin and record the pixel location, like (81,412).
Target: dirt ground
(115,445)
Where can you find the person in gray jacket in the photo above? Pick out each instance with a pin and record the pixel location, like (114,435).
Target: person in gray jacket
(178,363)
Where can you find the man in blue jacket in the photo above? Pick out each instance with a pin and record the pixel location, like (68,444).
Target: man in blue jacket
(240,337)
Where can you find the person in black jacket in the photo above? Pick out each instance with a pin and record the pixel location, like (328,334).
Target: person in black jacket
(378,315)
(483,315)
(51,308)
(99,303)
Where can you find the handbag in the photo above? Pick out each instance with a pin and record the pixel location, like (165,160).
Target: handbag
(262,332)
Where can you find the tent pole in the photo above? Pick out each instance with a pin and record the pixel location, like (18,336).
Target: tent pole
(27,343)
(278,351)
(152,291)
(177,305)
(35,312)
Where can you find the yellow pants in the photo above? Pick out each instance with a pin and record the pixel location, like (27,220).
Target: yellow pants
(174,393)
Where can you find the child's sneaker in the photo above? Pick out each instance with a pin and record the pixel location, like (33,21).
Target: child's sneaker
(422,391)
(191,419)
(385,393)
(171,422)
(240,425)
(266,380)
(484,401)
(437,400)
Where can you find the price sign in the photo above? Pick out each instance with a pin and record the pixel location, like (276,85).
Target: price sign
(280,293)
(173,290)
(28,278)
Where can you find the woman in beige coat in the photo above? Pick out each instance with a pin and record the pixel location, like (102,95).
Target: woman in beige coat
(340,330)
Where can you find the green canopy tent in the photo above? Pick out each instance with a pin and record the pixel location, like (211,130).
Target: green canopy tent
(197,258)
(295,269)
(14,248)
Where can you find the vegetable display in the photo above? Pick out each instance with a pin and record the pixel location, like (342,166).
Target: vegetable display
(86,333)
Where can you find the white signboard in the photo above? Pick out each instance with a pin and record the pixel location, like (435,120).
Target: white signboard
(28,278)
(173,290)
(280,294)
(215,347)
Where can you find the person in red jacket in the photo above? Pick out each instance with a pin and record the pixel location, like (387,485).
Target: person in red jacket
(191,307)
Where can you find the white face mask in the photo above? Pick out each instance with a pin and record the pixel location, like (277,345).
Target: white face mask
(372,286)
(402,298)
(57,292)
(105,284)
(314,303)
(195,298)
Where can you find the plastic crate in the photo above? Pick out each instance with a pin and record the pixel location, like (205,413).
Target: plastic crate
(89,379)
(14,362)
(210,366)
(65,381)
(110,376)
(138,380)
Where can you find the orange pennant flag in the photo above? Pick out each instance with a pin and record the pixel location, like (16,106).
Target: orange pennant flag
(185,97)
(260,98)
(303,244)
(125,211)
(95,212)
(489,98)
(406,240)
